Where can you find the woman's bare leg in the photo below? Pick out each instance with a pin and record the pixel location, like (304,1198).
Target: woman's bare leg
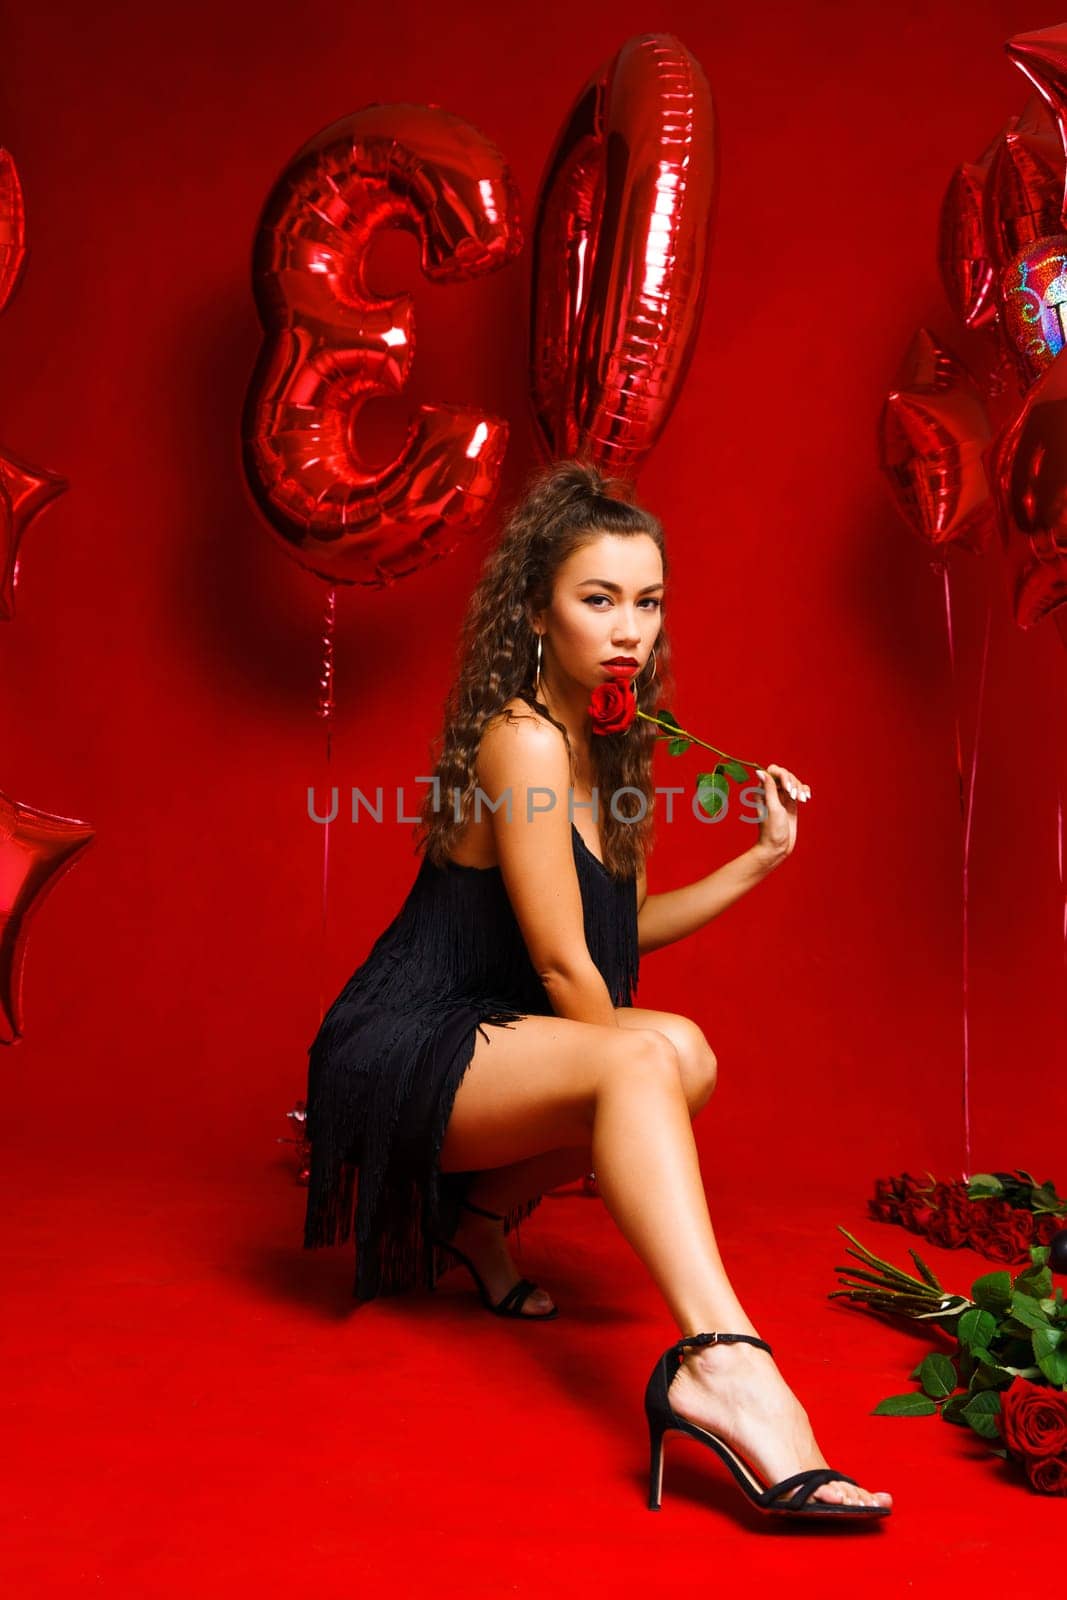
(546,1082)
(502,1188)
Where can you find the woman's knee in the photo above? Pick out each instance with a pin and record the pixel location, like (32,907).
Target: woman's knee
(698,1065)
(647,1052)
(700,1070)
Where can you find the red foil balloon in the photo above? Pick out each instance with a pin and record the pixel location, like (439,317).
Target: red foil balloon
(35,850)
(971,247)
(932,434)
(331,342)
(963,255)
(1033,296)
(24,491)
(12,228)
(621,241)
(1042,57)
(1024,191)
(1028,468)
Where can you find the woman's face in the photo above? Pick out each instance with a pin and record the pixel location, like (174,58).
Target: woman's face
(606,602)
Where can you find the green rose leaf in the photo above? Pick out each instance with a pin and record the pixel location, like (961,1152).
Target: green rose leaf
(905,1405)
(713,790)
(937,1376)
(736,771)
(976,1329)
(981,1413)
(993,1292)
(989,1374)
(983,1184)
(952,1410)
(1051,1355)
(678,747)
(668,718)
(1028,1311)
(1034,1281)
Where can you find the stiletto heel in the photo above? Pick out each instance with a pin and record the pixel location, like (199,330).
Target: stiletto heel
(791,1497)
(511,1304)
(655,1475)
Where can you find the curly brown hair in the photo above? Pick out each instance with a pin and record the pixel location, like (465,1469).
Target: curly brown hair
(562,507)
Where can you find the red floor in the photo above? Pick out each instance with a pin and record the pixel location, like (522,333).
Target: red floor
(195,1407)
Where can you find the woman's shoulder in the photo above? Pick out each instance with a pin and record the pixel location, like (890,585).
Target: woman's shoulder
(518,733)
(519,717)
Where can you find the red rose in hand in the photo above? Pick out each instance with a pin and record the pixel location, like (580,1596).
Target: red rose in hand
(1048,1475)
(1033,1420)
(612,707)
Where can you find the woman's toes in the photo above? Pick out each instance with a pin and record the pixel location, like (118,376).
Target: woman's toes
(537,1301)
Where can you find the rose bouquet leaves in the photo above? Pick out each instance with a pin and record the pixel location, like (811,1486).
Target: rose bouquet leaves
(1006,1375)
(613,708)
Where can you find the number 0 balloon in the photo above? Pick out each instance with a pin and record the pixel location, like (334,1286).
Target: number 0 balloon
(621,241)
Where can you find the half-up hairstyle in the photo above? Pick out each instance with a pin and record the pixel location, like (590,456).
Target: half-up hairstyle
(562,507)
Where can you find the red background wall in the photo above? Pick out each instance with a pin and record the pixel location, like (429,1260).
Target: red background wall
(160,676)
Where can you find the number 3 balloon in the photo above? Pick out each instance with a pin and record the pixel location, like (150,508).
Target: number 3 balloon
(331,342)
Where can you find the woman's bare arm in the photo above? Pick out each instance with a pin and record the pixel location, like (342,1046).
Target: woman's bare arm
(665,918)
(524,768)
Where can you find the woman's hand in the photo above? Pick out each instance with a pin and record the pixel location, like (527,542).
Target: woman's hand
(782,792)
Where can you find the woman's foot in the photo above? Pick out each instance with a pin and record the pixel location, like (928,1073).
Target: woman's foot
(737,1392)
(482,1239)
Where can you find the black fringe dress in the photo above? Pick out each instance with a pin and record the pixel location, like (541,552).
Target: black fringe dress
(392,1049)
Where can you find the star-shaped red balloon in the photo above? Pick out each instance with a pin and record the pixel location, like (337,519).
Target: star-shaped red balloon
(24,491)
(12,228)
(35,850)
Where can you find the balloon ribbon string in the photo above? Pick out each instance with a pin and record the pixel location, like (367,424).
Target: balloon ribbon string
(967,816)
(325,711)
(1059,856)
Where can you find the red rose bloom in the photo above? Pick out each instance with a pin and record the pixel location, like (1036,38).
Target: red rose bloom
(946,1230)
(1020,1235)
(1033,1420)
(916,1216)
(1048,1475)
(612,707)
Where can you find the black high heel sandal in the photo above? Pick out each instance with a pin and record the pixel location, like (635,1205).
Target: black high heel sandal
(662,1419)
(510,1305)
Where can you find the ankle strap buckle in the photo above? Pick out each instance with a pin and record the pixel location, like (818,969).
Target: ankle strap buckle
(699,1340)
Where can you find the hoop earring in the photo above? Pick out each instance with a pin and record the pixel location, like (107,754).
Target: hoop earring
(537,673)
(649,680)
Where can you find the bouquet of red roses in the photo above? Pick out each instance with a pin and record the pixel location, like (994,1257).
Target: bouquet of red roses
(1006,1375)
(999,1214)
